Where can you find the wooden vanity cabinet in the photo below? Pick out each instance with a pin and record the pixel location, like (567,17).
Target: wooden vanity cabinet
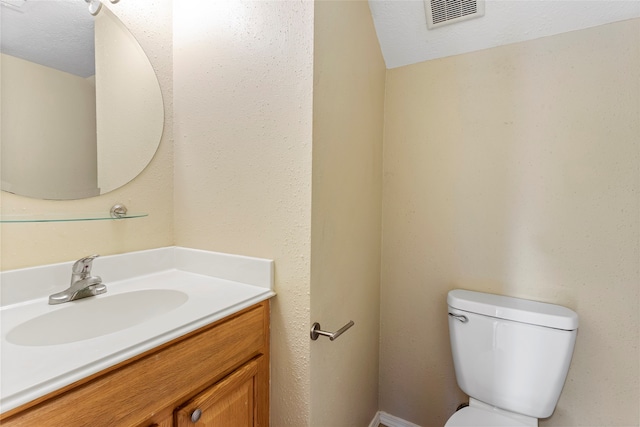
(230,402)
(215,376)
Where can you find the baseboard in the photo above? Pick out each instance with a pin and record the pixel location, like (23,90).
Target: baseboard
(375,422)
(390,421)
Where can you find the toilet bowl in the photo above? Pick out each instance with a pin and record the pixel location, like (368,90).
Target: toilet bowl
(511,357)
(474,417)
(480,415)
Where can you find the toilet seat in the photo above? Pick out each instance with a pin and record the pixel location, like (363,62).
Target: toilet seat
(477,417)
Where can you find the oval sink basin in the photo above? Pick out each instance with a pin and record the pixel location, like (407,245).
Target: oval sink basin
(96,316)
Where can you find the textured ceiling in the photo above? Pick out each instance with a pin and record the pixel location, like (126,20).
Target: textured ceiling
(28,32)
(404,38)
(57,34)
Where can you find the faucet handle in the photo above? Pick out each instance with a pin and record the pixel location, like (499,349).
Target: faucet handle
(83,265)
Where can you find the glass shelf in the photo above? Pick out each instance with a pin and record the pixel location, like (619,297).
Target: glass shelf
(62,217)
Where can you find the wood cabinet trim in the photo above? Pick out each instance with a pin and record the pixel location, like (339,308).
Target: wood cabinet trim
(209,397)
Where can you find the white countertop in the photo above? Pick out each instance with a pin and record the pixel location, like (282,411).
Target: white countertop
(28,372)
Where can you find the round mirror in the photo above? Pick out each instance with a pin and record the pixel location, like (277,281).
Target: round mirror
(81,106)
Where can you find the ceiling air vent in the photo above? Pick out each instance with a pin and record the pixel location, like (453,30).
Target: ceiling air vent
(445,12)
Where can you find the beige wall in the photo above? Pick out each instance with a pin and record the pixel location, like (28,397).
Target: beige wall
(243,100)
(25,245)
(243,108)
(515,170)
(42,137)
(512,170)
(348,107)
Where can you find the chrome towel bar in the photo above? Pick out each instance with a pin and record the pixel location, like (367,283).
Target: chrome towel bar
(316,331)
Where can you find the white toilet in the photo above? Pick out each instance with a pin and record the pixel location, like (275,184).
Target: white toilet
(511,357)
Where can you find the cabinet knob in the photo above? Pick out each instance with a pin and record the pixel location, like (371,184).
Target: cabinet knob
(195,415)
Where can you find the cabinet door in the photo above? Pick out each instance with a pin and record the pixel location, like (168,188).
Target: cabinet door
(228,403)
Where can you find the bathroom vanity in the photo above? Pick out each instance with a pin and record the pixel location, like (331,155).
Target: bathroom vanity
(217,375)
(203,362)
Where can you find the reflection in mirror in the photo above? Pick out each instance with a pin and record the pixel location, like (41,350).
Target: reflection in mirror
(73,128)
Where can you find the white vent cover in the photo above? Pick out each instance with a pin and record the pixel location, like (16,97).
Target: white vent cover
(444,12)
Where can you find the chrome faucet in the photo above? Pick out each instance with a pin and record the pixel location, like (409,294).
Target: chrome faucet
(83,284)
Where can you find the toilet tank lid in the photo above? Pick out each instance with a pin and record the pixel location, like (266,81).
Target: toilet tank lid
(516,309)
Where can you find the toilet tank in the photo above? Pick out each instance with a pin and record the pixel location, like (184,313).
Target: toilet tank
(511,353)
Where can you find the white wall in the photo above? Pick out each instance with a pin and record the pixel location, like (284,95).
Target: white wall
(243,78)
(515,170)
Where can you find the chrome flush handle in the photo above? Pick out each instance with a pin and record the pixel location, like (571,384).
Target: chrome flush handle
(461,317)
